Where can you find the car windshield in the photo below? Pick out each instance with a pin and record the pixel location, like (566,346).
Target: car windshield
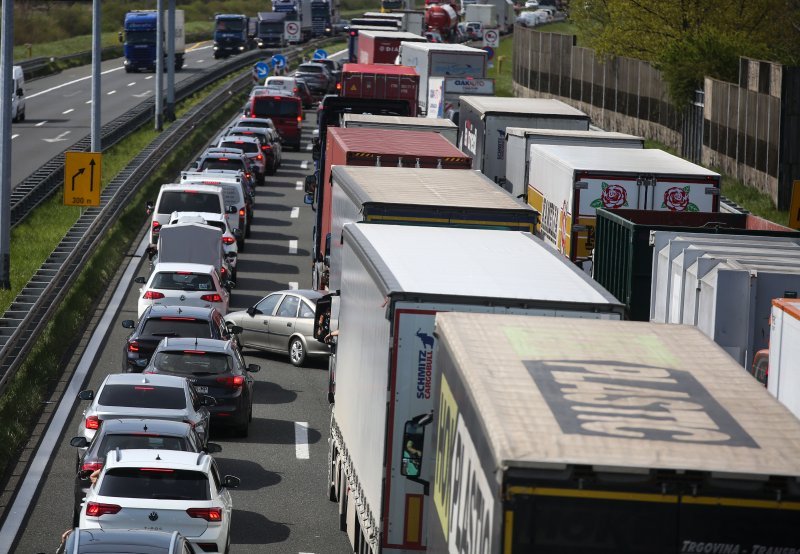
(275,107)
(243,145)
(156,483)
(143,441)
(189,201)
(221,163)
(177,327)
(143,396)
(192,362)
(182,280)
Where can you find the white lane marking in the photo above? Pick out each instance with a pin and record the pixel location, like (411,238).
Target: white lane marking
(51,89)
(148,77)
(141,94)
(14,136)
(292,246)
(309,146)
(295,213)
(298,185)
(40,123)
(38,465)
(304,165)
(200,61)
(301,440)
(88,101)
(131,83)
(68,111)
(293,285)
(110,92)
(59,138)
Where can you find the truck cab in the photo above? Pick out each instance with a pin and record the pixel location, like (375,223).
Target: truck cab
(139,40)
(230,34)
(270,30)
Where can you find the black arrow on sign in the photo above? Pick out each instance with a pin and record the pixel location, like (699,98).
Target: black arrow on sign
(79,173)
(91,176)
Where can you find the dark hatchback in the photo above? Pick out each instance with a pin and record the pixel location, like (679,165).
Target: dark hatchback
(215,368)
(270,144)
(159,321)
(96,541)
(124,434)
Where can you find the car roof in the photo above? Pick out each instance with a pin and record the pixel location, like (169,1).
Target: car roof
(189,267)
(243,138)
(190,186)
(221,152)
(147,425)
(207,216)
(95,538)
(256,119)
(149,379)
(309,294)
(198,344)
(158,458)
(160,310)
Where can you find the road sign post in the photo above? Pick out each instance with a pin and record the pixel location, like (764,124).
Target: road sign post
(491,38)
(82,172)
(794,208)
(291,30)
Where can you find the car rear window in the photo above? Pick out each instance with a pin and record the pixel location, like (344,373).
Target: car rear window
(192,362)
(310,68)
(275,107)
(188,201)
(142,441)
(222,163)
(177,327)
(182,280)
(156,483)
(243,145)
(143,396)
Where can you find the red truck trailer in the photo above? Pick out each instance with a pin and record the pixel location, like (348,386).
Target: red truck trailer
(382,148)
(383,46)
(390,82)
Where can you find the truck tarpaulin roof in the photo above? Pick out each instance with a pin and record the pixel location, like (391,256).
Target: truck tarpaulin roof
(394,147)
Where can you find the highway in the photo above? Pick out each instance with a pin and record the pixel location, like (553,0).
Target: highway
(58,107)
(281,505)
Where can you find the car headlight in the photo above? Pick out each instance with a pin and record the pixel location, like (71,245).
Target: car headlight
(241,48)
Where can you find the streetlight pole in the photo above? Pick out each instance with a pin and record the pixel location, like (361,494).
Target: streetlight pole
(6,92)
(159,65)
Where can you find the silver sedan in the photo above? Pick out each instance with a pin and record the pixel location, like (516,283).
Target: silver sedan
(282,322)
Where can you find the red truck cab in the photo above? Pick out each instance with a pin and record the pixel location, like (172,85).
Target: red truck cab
(378,80)
(285,111)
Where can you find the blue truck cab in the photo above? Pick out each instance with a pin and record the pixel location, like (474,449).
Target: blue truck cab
(230,34)
(139,40)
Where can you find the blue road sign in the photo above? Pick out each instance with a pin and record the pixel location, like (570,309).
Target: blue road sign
(262,69)
(489,52)
(278,61)
(320,54)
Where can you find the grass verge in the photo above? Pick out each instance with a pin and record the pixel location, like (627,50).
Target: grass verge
(503,67)
(21,403)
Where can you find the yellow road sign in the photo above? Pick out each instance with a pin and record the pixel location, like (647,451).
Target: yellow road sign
(794,209)
(82,178)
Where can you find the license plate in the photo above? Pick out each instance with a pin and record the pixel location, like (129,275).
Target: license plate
(201,390)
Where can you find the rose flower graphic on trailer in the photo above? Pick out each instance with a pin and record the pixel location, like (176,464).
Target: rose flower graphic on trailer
(677,200)
(613,196)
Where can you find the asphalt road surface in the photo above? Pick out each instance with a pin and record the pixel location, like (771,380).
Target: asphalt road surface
(281,505)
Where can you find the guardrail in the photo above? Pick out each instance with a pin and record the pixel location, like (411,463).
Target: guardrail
(33,307)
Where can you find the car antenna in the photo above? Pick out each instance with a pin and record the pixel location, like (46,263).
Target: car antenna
(144,379)
(145,428)
(119,454)
(158,457)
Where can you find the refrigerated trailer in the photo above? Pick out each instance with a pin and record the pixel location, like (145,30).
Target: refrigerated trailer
(444,127)
(383,46)
(394,281)
(783,379)
(579,436)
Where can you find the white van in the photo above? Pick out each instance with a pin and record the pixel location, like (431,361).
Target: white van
(18,94)
(185,198)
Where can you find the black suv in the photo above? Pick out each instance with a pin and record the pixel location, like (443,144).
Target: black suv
(159,321)
(316,77)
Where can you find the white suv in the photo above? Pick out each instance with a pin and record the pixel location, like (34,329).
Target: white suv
(185,198)
(184,284)
(163,490)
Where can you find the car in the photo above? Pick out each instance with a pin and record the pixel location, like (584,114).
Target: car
(270,144)
(251,147)
(163,490)
(92,541)
(281,322)
(531,4)
(286,84)
(183,284)
(305,94)
(216,368)
(158,322)
(127,395)
(334,68)
(230,236)
(531,19)
(316,77)
(175,197)
(248,121)
(131,433)
(236,193)
(217,158)
(285,110)
(474,30)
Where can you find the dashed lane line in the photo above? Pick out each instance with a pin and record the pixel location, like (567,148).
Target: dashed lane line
(293,285)
(110,92)
(292,246)
(65,112)
(304,165)
(301,440)
(51,89)
(131,83)
(40,123)
(298,185)
(14,136)
(295,213)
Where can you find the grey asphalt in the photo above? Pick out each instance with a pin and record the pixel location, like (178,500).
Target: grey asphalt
(282,504)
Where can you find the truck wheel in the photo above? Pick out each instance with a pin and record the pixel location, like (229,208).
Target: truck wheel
(128,69)
(297,352)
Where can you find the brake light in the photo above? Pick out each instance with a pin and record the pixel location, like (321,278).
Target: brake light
(133,346)
(299,118)
(259,157)
(266,147)
(338,86)
(195,351)
(91,466)
(235,381)
(278,98)
(241,212)
(223,271)
(228,240)
(211,297)
(223,159)
(156,225)
(183,272)
(152,295)
(92,422)
(143,388)
(157,469)
(238,142)
(208,514)
(96,509)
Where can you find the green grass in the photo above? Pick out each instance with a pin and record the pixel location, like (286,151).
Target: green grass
(503,66)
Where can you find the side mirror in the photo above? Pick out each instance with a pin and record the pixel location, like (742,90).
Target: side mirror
(252,311)
(208,401)
(237,233)
(213,448)
(148,207)
(120,36)
(128,324)
(79,442)
(151,252)
(20,92)
(86,395)
(235,329)
(231,209)
(310,184)
(140,280)
(84,474)
(231,482)
(315,151)
(232,255)
(253,368)
(308,198)
(230,285)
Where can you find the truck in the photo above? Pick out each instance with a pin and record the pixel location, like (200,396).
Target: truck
(410,20)
(353,32)
(518,150)
(483,121)
(298,11)
(395,279)
(388,6)
(230,34)
(783,377)
(270,33)
(623,252)
(379,148)
(568,183)
(411,196)
(139,40)
(392,82)
(320,17)
(504,14)
(441,19)
(444,127)
(442,60)
(485,14)
(554,435)
(383,46)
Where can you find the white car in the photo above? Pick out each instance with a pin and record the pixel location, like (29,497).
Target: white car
(186,197)
(174,284)
(532,4)
(287,84)
(163,490)
(219,221)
